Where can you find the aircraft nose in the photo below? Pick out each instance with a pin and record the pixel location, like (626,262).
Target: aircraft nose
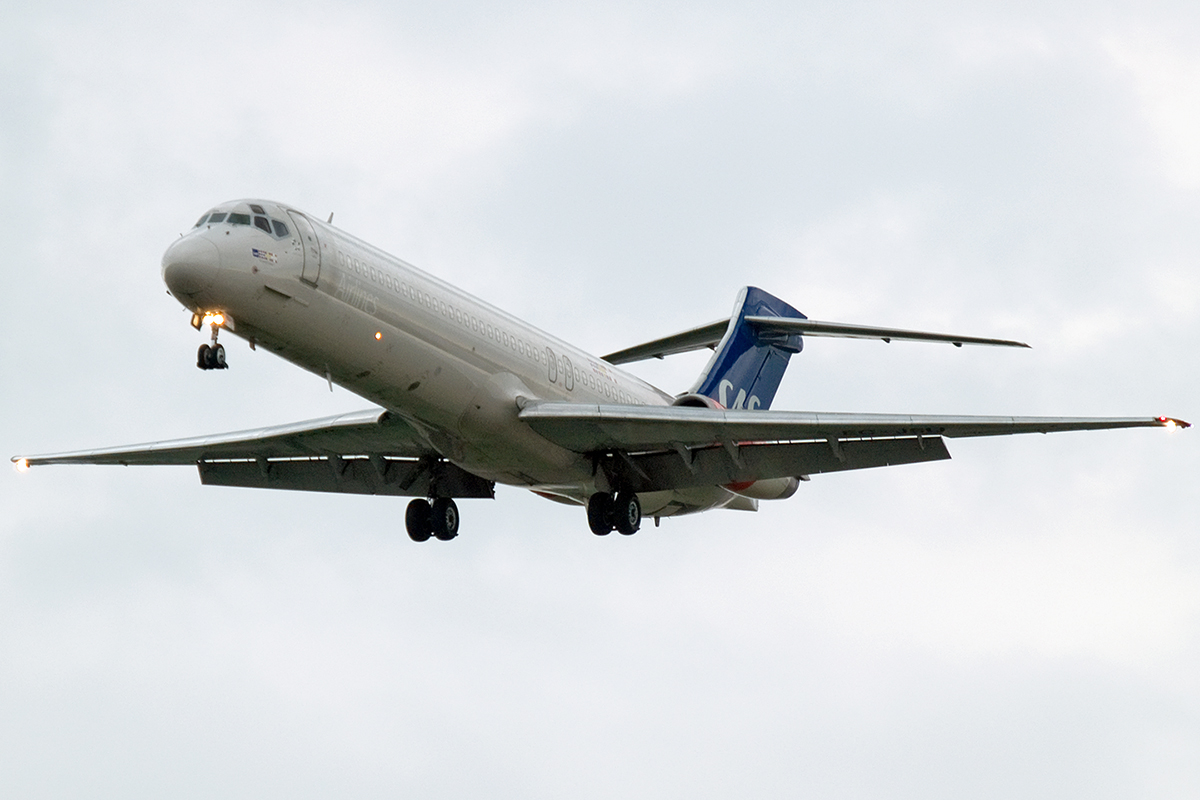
(190,265)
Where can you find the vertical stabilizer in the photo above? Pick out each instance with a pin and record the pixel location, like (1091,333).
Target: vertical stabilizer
(746,368)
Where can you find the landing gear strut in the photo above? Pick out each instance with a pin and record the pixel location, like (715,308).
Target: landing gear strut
(438,519)
(212,356)
(622,511)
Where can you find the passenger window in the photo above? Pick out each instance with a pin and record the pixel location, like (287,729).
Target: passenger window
(262,224)
(217,217)
(281,230)
(239,219)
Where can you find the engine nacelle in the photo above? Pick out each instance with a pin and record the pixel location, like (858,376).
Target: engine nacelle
(697,401)
(766,489)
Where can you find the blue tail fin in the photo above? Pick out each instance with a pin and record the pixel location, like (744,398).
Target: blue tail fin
(746,368)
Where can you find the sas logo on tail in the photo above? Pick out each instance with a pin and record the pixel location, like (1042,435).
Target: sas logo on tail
(723,390)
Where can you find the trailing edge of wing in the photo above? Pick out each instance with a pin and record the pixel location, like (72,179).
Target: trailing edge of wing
(596,428)
(373,432)
(710,336)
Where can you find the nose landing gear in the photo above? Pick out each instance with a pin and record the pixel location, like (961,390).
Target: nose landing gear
(211,356)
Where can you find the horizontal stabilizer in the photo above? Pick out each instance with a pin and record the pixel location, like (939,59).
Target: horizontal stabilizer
(812,327)
(709,336)
(695,339)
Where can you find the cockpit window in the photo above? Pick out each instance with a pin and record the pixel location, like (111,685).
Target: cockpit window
(264,223)
(257,209)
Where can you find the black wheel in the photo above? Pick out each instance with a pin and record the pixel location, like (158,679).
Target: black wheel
(599,513)
(417,520)
(627,513)
(217,353)
(444,519)
(202,356)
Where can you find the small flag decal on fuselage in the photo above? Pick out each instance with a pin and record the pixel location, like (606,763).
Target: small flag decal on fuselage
(264,255)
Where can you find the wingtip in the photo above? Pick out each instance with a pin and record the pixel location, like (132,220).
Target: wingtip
(1172,423)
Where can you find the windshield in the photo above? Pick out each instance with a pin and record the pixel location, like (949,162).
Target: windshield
(260,220)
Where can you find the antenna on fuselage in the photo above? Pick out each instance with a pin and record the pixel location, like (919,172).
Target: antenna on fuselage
(330,220)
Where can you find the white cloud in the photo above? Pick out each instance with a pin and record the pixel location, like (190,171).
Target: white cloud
(1167,79)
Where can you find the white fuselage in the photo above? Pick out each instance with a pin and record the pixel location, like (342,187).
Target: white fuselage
(455,367)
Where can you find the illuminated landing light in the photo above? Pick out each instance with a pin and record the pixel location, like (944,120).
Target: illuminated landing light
(378,335)
(213,319)
(22,465)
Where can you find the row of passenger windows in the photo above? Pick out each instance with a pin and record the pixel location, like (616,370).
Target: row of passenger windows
(544,356)
(272,227)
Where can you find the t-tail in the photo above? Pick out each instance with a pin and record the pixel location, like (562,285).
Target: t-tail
(748,364)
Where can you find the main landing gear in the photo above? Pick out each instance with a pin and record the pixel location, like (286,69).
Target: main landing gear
(622,511)
(438,519)
(211,356)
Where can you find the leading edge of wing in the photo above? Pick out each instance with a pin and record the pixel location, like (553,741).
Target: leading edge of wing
(372,431)
(592,428)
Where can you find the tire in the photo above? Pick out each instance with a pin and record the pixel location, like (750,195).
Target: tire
(599,513)
(627,513)
(218,357)
(202,356)
(444,519)
(417,520)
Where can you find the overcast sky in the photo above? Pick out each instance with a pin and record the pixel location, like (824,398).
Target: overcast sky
(1022,621)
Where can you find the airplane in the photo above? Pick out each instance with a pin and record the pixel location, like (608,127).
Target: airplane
(469,396)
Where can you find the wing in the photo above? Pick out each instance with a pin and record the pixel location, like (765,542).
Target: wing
(710,336)
(367,452)
(656,447)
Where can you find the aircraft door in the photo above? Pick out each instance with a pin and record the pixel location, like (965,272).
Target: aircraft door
(311,246)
